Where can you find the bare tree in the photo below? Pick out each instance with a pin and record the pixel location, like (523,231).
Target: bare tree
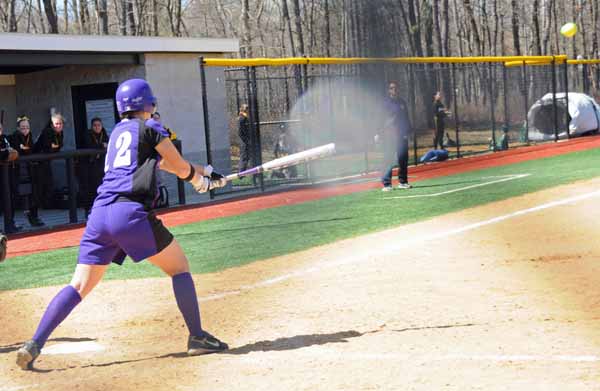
(298,20)
(102,16)
(12,17)
(246,49)
(537,37)
(515,26)
(84,17)
(155,17)
(130,17)
(547,23)
(438,30)
(41,16)
(50,9)
(288,22)
(474,27)
(327,29)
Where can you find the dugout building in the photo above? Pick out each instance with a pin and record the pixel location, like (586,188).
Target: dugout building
(78,76)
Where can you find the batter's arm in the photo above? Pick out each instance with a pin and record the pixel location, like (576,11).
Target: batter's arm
(174,163)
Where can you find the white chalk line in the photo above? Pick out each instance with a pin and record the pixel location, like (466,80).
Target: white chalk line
(395,248)
(504,178)
(327,355)
(16,388)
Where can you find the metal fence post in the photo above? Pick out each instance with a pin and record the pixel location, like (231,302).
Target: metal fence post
(72,193)
(526,95)
(255,121)
(566,79)
(363,78)
(455,101)
(413,100)
(237,95)
(180,186)
(504,89)
(205,117)
(554,105)
(7,207)
(491,81)
(586,82)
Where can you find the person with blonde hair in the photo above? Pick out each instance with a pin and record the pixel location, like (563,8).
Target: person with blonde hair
(50,140)
(29,177)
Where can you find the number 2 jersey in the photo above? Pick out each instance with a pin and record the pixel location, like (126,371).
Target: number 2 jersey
(131,162)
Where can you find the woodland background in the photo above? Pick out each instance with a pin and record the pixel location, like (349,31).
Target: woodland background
(278,28)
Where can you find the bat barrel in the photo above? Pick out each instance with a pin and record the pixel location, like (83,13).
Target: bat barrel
(289,160)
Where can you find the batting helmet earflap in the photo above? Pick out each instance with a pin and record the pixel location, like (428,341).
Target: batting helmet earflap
(135,95)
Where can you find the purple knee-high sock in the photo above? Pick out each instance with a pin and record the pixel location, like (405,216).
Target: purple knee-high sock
(58,309)
(185,294)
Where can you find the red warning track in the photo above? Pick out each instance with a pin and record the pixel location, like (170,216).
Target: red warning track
(66,237)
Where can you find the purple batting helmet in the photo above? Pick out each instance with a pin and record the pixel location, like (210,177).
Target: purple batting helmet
(135,95)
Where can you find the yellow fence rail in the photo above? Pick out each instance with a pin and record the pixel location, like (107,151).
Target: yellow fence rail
(252,62)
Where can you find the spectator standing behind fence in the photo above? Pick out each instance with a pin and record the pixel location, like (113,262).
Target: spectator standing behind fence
(395,133)
(93,166)
(284,145)
(7,154)
(245,133)
(50,141)
(28,180)
(439,115)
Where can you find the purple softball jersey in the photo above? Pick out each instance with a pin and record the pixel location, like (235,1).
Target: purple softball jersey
(130,165)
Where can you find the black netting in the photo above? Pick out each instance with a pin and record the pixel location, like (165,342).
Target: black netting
(294,107)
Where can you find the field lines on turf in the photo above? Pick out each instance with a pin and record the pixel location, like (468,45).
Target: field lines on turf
(396,247)
(326,354)
(501,178)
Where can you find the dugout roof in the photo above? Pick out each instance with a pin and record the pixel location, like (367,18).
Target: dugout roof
(22,53)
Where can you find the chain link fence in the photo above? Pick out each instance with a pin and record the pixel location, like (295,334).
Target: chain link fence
(293,107)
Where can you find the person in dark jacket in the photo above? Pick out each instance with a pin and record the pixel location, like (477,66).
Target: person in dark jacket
(439,118)
(28,177)
(395,132)
(8,154)
(50,141)
(244,131)
(51,138)
(93,166)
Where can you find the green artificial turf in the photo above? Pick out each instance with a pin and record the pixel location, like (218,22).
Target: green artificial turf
(217,244)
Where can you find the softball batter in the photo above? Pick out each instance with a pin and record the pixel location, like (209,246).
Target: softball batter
(122,222)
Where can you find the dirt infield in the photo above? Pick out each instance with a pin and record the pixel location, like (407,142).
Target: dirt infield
(22,245)
(502,296)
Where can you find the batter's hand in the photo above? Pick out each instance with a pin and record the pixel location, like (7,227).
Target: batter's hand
(3,242)
(208,170)
(201,183)
(217,180)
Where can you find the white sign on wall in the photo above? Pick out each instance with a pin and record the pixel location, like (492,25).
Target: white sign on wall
(103,109)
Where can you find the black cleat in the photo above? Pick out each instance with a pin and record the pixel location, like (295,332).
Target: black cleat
(27,354)
(204,344)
